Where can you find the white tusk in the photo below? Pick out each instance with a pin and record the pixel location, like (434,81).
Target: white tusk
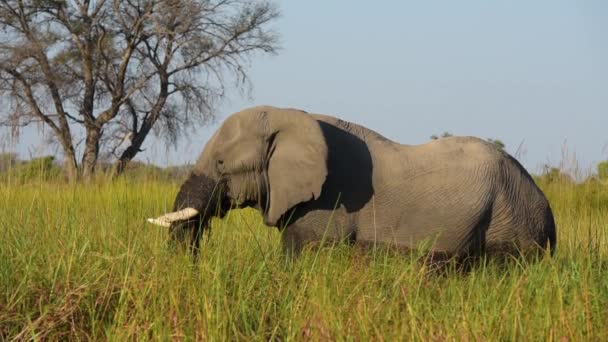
(181,215)
(159,222)
(166,219)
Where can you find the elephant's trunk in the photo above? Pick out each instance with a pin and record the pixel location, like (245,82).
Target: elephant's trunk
(203,195)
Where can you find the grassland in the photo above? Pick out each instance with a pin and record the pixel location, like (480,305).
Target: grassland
(79,262)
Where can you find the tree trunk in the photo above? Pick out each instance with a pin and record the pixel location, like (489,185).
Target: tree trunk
(91,152)
(69,163)
(138,139)
(70,166)
(121,164)
(130,152)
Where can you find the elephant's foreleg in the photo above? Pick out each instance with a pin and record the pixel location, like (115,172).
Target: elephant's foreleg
(195,239)
(295,237)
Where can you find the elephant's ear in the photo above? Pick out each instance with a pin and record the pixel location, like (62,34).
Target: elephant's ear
(297,164)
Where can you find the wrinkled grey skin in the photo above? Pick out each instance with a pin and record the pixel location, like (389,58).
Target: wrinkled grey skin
(317,177)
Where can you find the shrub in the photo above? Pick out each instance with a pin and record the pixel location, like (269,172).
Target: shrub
(554,175)
(602,171)
(8,161)
(43,168)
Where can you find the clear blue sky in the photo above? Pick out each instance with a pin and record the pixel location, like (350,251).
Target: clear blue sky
(521,71)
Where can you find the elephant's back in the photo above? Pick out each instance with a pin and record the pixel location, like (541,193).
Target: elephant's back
(453,159)
(460,148)
(368,135)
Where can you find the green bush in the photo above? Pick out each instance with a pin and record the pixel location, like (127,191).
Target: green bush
(43,168)
(554,175)
(139,171)
(602,171)
(8,161)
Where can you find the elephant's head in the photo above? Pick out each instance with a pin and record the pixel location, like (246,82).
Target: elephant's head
(263,157)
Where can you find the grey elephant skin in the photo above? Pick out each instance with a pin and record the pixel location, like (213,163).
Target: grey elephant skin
(317,177)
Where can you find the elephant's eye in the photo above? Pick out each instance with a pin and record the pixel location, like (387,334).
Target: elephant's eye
(220,166)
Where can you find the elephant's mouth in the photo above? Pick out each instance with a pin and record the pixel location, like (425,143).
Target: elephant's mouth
(246,203)
(247,190)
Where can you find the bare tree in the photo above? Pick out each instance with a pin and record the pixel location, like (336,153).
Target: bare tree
(116,69)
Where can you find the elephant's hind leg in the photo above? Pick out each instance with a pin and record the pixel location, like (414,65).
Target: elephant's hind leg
(520,236)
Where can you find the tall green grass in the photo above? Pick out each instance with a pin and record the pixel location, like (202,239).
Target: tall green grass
(80,262)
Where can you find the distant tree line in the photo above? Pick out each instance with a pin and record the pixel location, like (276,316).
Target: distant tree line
(47,169)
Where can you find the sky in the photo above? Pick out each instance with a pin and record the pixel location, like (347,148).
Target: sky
(533,74)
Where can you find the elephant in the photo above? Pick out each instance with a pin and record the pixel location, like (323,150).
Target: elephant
(319,178)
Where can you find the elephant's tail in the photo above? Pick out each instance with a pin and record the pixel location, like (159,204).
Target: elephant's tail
(550,229)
